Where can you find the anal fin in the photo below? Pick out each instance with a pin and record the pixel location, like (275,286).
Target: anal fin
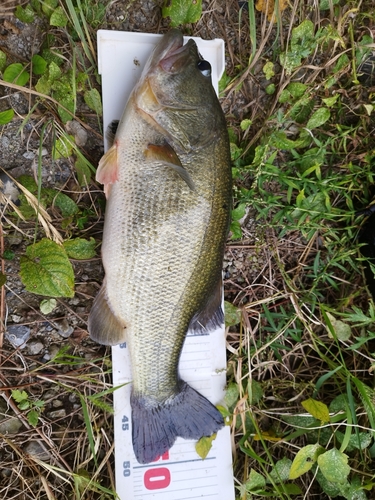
(103,326)
(211,315)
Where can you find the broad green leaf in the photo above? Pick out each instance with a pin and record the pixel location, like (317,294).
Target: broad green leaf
(3,60)
(316,409)
(292,489)
(47,306)
(58,18)
(93,100)
(80,249)
(318,118)
(32,418)
(236,230)
(48,6)
(39,64)
(304,460)
(182,11)
(330,101)
(331,489)
(280,473)
(356,442)
(19,396)
(15,73)
(334,465)
(63,147)
(269,70)
(24,405)
(296,89)
(255,392)
(83,171)
(204,445)
(239,212)
(245,124)
(6,116)
(67,206)
(255,481)
(26,15)
(325,4)
(232,314)
(46,270)
(231,395)
(341,329)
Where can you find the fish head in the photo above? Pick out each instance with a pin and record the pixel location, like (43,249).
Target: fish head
(175,91)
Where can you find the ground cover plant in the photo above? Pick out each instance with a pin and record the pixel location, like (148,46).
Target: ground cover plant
(298,93)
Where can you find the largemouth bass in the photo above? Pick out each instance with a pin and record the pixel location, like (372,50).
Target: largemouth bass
(167,178)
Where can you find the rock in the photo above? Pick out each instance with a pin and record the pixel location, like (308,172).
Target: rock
(35,347)
(18,335)
(76,129)
(63,328)
(36,450)
(58,413)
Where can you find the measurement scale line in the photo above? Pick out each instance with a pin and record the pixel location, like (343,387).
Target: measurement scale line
(173,463)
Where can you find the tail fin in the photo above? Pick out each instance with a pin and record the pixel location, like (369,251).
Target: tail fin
(155,427)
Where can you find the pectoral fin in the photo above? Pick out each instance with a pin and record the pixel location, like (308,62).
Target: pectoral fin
(107,172)
(212,315)
(103,326)
(166,156)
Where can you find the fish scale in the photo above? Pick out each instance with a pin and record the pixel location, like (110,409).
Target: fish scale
(168,182)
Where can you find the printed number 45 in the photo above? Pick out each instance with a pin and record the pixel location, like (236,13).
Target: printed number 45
(125,423)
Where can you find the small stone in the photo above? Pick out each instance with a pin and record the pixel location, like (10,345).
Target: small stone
(76,129)
(10,425)
(29,155)
(63,328)
(36,450)
(58,413)
(56,403)
(72,397)
(18,335)
(35,348)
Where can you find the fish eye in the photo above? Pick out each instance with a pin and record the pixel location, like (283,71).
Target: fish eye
(204,67)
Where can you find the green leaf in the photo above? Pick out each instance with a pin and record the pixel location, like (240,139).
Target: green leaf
(255,481)
(26,15)
(24,405)
(334,466)
(58,18)
(269,70)
(304,460)
(182,11)
(6,116)
(48,6)
(296,89)
(3,60)
(318,118)
(63,147)
(47,306)
(255,392)
(93,100)
(15,73)
(67,206)
(83,171)
(280,473)
(19,396)
(317,409)
(232,314)
(32,418)
(46,270)
(341,329)
(204,445)
(328,487)
(239,212)
(330,101)
(80,249)
(236,230)
(39,64)
(325,4)
(245,124)
(231,395)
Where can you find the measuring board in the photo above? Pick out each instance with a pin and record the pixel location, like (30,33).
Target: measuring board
(180,474)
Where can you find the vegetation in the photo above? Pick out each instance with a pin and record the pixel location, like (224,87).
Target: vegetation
(299,101)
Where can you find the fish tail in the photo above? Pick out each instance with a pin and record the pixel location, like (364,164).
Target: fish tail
(155,427)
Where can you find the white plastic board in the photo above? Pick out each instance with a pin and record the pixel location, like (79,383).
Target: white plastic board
(180,474)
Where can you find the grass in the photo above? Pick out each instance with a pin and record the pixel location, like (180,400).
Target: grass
(301,324)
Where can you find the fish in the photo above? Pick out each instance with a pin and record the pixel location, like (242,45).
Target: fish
(167,179)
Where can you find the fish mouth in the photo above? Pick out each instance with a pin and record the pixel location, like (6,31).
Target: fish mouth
(171,53)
